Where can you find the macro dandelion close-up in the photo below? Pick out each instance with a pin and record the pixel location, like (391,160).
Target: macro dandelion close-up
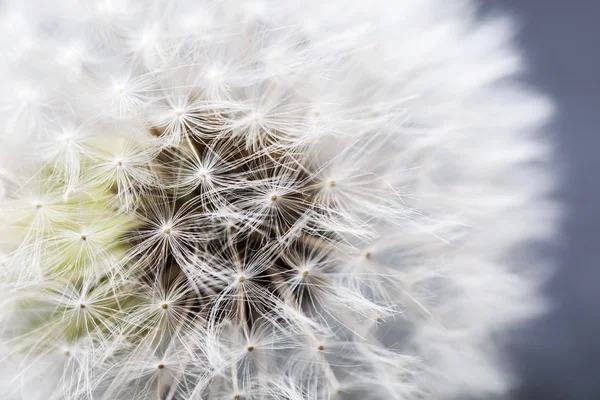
(230,199)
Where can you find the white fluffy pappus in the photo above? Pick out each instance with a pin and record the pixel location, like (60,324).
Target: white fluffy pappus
(231,199)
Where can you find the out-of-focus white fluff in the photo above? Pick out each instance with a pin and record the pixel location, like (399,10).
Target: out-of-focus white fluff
(405,123)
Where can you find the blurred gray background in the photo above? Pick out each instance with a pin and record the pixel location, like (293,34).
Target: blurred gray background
(558,356)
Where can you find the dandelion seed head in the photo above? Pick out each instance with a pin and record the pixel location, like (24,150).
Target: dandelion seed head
(260,199)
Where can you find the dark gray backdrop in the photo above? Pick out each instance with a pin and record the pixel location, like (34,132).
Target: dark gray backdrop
(558,356)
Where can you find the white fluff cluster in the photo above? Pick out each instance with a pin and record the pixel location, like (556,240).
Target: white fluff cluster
(293,199)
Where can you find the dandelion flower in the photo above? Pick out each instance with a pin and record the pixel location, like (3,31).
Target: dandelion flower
(231,199)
